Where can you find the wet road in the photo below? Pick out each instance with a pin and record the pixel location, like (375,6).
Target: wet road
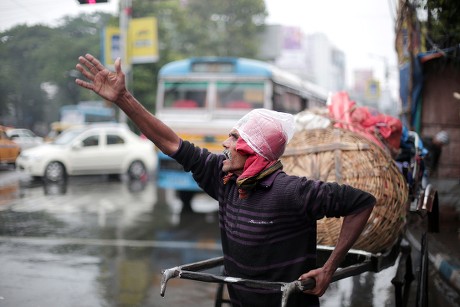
(103,242)
(99,242)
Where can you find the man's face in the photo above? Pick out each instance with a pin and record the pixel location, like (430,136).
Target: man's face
(234,161)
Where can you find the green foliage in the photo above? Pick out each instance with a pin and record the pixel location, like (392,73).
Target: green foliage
(226,28)
(443,21)
(22,70)
(31,57)
(170,18)
(198,28)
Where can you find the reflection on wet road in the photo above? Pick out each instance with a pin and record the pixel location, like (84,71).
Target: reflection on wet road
(101,242)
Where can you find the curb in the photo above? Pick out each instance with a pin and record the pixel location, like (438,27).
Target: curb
(449,271)
(446,267)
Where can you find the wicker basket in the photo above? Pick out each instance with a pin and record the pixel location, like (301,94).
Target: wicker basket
(333,154)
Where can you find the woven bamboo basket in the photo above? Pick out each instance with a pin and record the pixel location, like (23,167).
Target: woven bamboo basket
(345,157)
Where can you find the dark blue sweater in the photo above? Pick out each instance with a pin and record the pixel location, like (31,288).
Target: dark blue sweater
(271,234)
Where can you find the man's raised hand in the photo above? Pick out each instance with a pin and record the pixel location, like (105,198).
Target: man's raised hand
(107,84)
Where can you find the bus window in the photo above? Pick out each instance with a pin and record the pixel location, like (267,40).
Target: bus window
(284,101)
(243,95)
(190,95)
(277,102)
(292,103)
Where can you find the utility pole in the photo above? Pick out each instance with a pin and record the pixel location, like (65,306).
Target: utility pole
(386,103)
(125,17)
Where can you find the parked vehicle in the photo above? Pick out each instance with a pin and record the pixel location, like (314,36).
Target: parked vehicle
(24,137)
(91,150)
(56,128)
(9,150)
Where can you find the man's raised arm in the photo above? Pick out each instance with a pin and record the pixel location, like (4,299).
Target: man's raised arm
(112,87)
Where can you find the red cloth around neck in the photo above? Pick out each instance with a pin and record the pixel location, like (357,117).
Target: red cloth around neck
(255,163)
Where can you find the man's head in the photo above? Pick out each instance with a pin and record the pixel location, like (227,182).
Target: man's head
(265,132)
(234,161)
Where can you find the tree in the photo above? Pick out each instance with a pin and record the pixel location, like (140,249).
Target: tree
(38,61)
(171,30)
(443,22)
(226,28)
(33,59)
(77,35)
(22,65)
(187,29)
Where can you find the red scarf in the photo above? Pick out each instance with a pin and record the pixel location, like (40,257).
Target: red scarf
(255,168)
(254,164)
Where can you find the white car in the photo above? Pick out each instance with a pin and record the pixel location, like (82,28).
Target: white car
(24,137)
(90,150)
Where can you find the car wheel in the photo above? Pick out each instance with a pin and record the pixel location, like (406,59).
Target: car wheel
(137,170)
(55,171)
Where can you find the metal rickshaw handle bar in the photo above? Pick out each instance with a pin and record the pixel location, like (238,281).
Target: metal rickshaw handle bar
(188,271)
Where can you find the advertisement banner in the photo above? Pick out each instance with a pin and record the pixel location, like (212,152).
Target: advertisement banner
(143,40)
(293,37)
(111,45)
(373,89)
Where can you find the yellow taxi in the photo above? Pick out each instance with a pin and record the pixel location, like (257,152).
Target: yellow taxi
(9,150)
(57,128)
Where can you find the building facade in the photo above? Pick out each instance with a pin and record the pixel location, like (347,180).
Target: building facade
(312,57)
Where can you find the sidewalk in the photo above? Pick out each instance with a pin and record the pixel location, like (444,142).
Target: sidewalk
(443,247)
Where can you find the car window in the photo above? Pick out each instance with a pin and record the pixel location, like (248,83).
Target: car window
(92,140)
(67,136)
(113,139)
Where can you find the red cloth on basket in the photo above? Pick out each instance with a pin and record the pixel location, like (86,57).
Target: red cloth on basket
(370,123)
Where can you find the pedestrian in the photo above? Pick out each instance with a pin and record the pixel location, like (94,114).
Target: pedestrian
(267,218)
(434,146)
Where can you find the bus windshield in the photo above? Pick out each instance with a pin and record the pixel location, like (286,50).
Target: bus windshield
(240,95)
(185,94)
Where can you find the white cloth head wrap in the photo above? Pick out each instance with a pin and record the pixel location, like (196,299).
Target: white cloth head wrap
(267,132)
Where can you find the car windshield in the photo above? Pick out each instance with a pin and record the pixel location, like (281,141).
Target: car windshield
(28,133)
(21,133)
(67,136)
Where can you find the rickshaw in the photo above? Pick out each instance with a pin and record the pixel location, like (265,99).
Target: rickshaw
(418,199)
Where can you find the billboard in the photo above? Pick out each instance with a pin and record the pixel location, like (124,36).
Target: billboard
(142,42)
(373,89)
(292,38)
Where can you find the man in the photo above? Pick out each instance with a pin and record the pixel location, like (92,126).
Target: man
(267,218)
